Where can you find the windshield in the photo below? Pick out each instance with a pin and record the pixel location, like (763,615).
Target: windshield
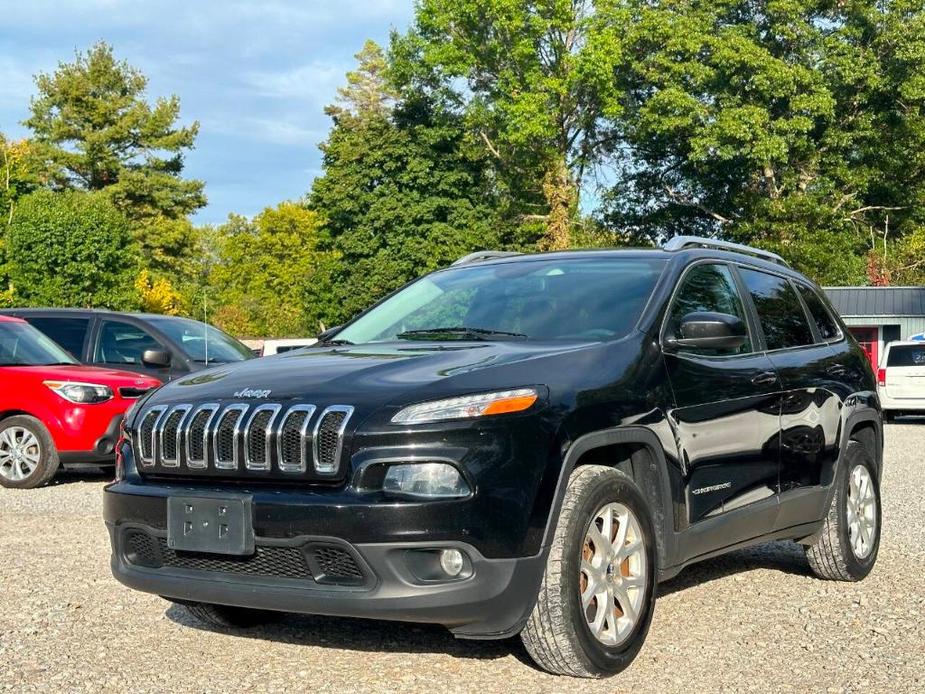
(23,345)
(201,342)
(562,299)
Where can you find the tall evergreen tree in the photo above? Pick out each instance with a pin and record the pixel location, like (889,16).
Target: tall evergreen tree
(97,131)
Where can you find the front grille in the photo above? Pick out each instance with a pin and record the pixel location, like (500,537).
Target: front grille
(131,393)
(334,564)
(239,440)
(143,549)
(337,563)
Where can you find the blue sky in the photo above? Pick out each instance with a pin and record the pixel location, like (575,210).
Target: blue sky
(256,75)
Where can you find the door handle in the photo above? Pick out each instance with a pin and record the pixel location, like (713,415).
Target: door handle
(765,378)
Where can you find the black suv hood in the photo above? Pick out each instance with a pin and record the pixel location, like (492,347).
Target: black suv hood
(362,374)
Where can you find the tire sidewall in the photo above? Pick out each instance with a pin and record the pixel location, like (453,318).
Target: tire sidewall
(857,455)
(606,660)
(48,454)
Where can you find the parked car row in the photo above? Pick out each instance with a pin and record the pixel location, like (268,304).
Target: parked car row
(55,410)
(67,376)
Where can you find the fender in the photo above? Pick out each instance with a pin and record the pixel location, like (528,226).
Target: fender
(651,477)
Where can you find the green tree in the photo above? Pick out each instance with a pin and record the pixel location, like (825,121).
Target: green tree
(793,125)
(19,175)
(72,249)
(263,270)
(97,131)
(539,92)
(403,190)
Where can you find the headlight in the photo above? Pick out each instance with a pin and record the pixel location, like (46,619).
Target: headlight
(81,393)
(437,480)
(467,406)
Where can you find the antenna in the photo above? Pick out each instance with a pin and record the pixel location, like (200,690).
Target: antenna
(205,325)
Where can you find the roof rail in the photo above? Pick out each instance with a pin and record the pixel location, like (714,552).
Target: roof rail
(479,256)
(679,243)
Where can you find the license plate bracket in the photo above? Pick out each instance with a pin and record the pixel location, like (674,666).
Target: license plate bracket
(218,525)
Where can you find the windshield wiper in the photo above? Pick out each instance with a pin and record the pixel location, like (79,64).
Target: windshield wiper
(459,333)
(334,342)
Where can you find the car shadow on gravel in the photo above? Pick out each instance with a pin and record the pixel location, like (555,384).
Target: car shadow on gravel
(86,474)
(785,557)
(364,635)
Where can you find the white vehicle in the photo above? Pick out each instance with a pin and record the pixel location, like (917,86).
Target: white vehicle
(901,379)
(285,345)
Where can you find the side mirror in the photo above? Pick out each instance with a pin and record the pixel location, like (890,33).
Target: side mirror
(157,358)
(325,335)
(707,330)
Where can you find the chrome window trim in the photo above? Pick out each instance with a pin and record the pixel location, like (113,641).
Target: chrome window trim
(348,412)
(303,436)
(195,464)
(268,437)
(241,409)
(169,412)
(149,461)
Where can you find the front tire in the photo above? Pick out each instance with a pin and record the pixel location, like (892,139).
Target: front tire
(846,547)
(28,457)
(596,600)
(227,616)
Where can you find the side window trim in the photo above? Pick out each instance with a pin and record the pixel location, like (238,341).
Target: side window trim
(745,307)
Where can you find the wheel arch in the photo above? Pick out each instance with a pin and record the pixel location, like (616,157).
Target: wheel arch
(638,453)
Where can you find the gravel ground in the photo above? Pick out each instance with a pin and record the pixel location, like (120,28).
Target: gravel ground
(752,620)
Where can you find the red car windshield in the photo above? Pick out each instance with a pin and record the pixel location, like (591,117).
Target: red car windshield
(23,345)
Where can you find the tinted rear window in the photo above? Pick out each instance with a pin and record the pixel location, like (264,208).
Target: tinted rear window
(906,355)
(67,332)
(779,309)
(826,325)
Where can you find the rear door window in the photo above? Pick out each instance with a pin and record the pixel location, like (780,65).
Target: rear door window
(779,310)
(825,323)
(906,355)
(69,333)
(122,343)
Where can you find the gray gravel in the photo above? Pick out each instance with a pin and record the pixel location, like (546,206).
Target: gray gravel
(753,620)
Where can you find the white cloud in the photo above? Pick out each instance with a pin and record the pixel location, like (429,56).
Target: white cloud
(316,82)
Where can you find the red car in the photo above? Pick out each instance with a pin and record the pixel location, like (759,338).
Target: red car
(54,411)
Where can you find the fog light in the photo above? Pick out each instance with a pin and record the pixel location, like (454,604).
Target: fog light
(432,480)
(451,561)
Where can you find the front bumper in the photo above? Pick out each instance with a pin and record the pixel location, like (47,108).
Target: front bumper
(494,601)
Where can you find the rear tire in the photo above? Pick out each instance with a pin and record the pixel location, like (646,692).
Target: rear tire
(28,456)
(595,603)
(227,616)
(846,547)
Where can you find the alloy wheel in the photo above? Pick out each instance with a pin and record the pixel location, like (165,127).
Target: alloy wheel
(612,581)
(862,512)
(20,453)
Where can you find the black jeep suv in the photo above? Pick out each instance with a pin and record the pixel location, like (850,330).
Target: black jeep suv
(516,444)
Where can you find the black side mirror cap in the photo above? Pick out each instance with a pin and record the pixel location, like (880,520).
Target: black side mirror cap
(709,330)
(158,358)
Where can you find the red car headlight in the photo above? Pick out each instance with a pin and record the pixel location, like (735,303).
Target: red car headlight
(81,393)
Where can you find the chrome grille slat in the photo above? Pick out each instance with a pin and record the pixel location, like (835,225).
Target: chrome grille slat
(147,437)
(328,438)
(197,458)
(231,417)
(302,414)
(241,438)
(170,429)
(258,439)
